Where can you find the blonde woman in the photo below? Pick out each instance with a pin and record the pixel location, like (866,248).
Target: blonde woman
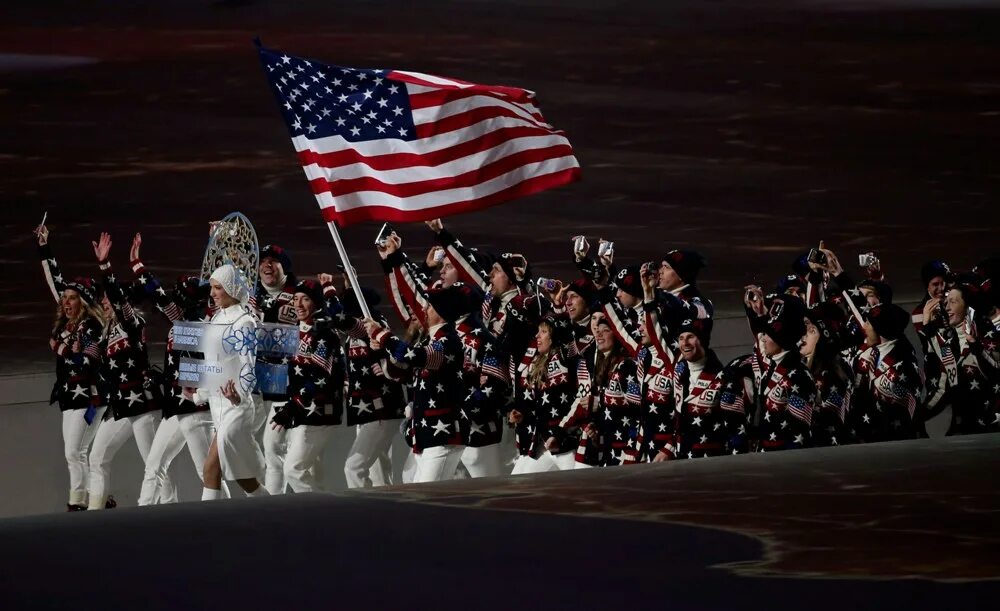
(76,337)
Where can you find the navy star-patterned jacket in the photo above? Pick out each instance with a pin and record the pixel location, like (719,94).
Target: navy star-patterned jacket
(546,408)
(834,388)
(77,371)
(174,402)
(371,395)
(887,388)
(316,377)
(485,377)
(131,390)
(615,416)
(436,364)
(959,375)
(703,427)
(658,422)
(778,397)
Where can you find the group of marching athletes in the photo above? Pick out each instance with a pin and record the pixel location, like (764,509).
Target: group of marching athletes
(499,372)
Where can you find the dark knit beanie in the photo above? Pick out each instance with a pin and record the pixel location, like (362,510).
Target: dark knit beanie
(313,290)
(701,327)
(279,254)
(191,293)
(686,263)
(786,321)
(934,269)
(974,294)
(450,303)
(829,320)
(788,282)
(889,320)
(630,280)
(585,289)
(882,290)
(87,289)
(516,267)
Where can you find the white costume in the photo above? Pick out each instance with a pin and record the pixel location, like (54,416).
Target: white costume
(239,453)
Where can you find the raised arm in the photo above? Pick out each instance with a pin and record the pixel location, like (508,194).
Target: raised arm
(50,268)
(124,311)
(470,269)
(163,301)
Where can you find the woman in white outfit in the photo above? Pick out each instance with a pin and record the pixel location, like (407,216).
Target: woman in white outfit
(235,453)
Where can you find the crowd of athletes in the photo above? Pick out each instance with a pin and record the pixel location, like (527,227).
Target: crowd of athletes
(501,371)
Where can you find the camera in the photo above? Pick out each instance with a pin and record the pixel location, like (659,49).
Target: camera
(751,294)
(580,244)
(547,284)
(817,256)
(867,259)
(606,249)
(439,255)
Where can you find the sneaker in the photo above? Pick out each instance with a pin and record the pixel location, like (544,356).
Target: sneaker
(110,503)
(75,507)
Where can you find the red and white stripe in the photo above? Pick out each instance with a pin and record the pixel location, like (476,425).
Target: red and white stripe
(476,146)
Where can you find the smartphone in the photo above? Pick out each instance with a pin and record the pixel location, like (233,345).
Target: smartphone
(970,322)
(580,244)
(817,256)
(383,235)
(439,255)
(606,249)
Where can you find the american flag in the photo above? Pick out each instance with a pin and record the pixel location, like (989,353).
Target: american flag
(491,366)
(400,146)
(800,408)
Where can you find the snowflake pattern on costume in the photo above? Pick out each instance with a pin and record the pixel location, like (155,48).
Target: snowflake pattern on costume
(242,341)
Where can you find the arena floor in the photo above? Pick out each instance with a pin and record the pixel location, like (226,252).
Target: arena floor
(748,130)
(812,529)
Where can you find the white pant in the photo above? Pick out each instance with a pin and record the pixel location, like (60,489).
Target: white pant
(305,453)
(438,463)
(371,443)
(381,472)
(275,448)
(193,430)
(111,436)
(409,468)
(77,437)
(546,462)
(486,461)
(508,444)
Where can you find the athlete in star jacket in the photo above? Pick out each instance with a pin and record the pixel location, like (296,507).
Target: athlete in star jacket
(436,362)
(75,341)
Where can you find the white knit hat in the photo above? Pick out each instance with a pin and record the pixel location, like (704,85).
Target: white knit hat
(233,282)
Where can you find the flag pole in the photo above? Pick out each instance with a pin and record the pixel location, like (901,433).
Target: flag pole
(349,268)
